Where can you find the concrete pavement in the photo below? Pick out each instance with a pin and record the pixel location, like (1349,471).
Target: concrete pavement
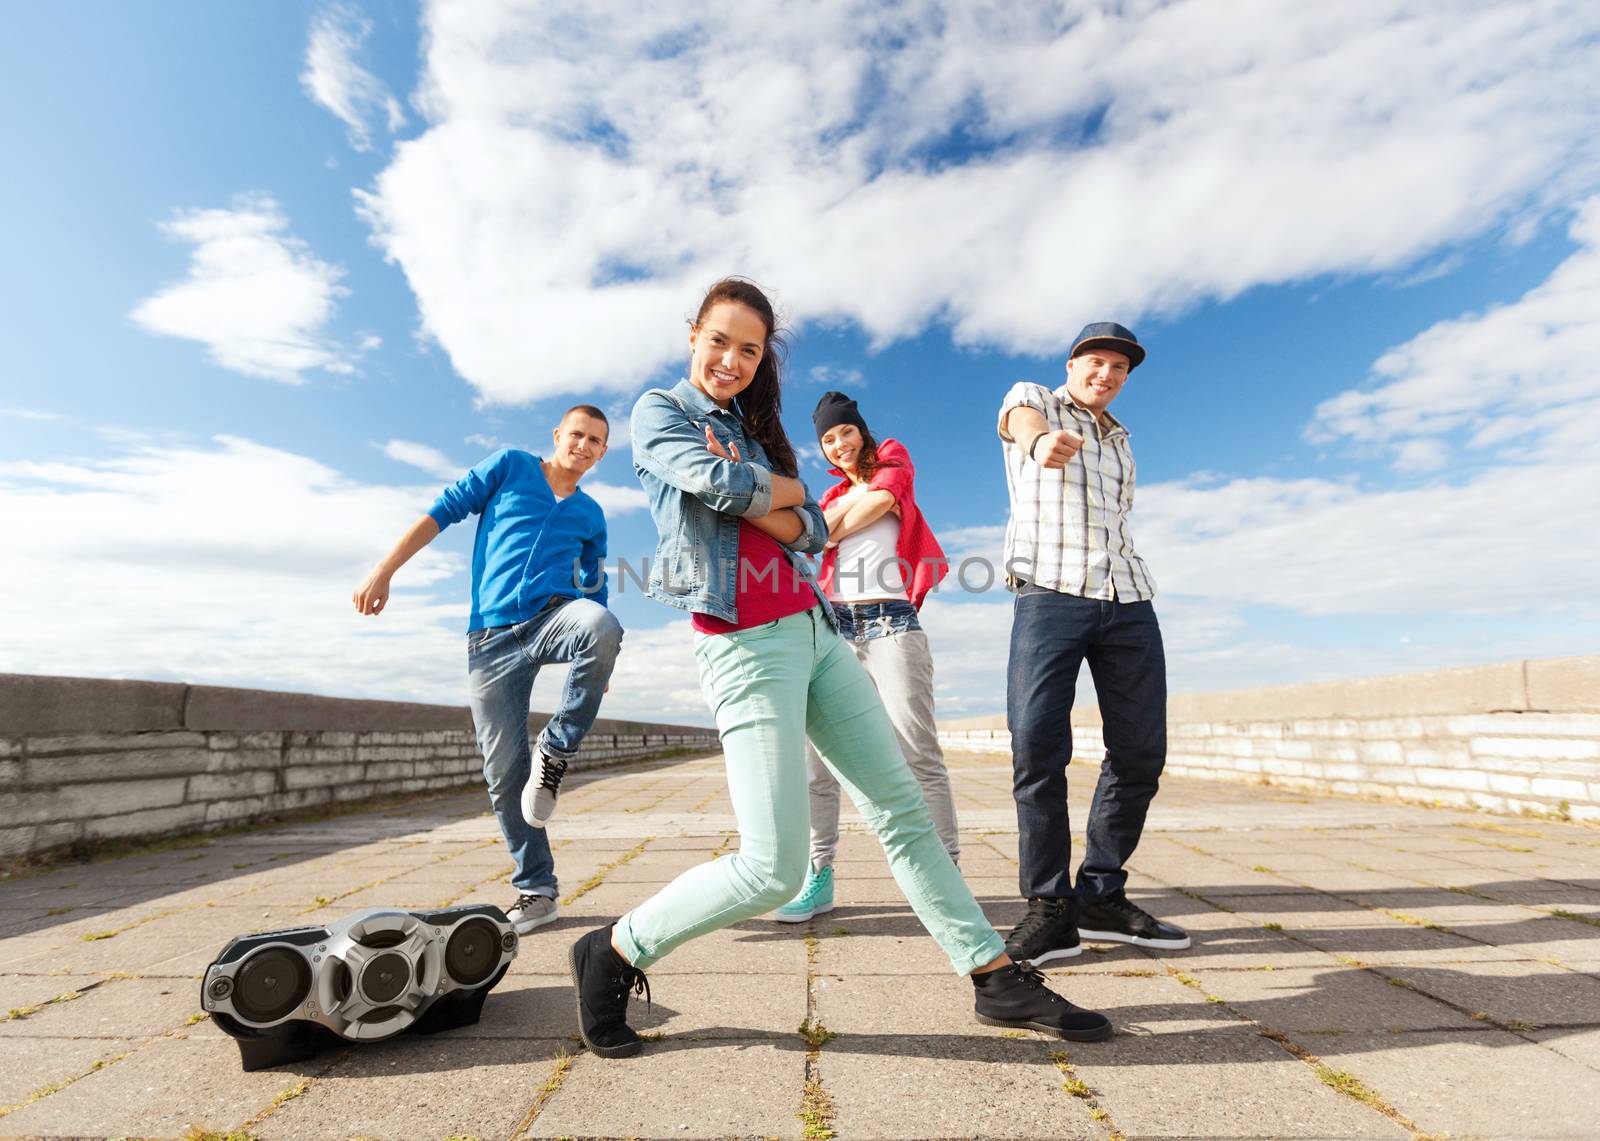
(1360,970)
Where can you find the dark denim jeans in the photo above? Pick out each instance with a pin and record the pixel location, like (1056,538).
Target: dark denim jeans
(1051,635)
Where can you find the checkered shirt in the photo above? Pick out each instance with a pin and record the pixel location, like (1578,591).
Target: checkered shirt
(1068,529)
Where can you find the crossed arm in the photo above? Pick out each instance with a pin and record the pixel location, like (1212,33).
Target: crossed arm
(783,522)
(846,519)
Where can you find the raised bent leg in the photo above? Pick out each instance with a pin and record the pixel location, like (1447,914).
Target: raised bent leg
(500,682)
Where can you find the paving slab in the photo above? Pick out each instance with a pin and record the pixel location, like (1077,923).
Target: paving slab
(1222,1082)
(895,1086)
(162,1088)
(1334,999)
(117,1008)
(420,1088)
(1514,994)
(1475,1084)
(28,1070)
(688,1089)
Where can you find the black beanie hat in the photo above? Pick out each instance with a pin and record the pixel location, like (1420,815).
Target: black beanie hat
(833,409)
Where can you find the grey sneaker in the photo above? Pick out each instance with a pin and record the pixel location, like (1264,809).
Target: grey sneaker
(539,797)
(532,911)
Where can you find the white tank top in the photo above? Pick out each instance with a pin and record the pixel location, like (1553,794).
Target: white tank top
(864,568)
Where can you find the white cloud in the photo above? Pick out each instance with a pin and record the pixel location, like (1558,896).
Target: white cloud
(430,460)
(617,498)
(225,563)
(29,414)
(1514,538)
(1008,172)
(256,297)
(1520,378)
(334,78)
(1500,411)
(837,376)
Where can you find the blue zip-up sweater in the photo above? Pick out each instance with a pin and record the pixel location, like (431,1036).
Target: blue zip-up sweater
(530,546)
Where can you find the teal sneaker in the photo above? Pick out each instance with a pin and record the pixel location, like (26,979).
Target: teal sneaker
(815,898)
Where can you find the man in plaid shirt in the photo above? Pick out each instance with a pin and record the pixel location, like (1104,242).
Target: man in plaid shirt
(1081,594)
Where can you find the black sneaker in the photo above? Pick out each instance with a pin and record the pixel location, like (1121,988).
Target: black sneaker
(1117,919)
(1016,996)
(1049,931)
(603,979)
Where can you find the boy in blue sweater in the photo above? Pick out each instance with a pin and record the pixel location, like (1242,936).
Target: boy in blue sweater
(538,598)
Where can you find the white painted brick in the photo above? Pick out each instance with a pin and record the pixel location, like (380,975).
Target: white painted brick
(300,798)
(228,811)
(320,754)
(243,760)
(1510,783)
(10,747)
(323,775)
(230,786)
(178,818)
(1452,778)
(1335,751)
(1553,748)
(113,742)
(97,767)
(1268,729)
(30,838)
(1436,752)
(1560,789)
(329,739)
(1282,767)
(389,770)
(228,742)
(1294,750)
(1381,752)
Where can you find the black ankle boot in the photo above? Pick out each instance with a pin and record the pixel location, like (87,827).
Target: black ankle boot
(1016,996)
(603,979)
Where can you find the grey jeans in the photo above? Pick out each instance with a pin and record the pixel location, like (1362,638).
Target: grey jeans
(888,640)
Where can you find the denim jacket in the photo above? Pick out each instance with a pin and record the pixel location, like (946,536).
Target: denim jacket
(697,500)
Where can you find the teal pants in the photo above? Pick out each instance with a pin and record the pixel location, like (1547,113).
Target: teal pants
(770,687)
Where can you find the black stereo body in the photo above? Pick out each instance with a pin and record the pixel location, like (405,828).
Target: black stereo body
(285,995)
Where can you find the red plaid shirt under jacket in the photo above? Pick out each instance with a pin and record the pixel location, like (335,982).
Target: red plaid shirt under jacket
(917,548)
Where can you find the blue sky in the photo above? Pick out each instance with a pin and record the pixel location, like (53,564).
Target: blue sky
(273,271)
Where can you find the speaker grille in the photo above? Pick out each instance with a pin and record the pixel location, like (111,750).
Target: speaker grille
(385,977)
(271,983)
(473,952)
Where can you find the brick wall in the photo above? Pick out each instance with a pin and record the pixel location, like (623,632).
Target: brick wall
(1516,737)
(85,759)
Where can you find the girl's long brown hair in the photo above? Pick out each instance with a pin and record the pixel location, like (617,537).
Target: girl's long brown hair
(868,463)
(760,405)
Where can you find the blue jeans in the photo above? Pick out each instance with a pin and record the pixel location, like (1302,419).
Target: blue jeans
(1052,634)
(863,621)
(502,662)
(770,687)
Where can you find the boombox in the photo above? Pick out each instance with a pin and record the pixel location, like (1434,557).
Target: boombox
(285,995)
